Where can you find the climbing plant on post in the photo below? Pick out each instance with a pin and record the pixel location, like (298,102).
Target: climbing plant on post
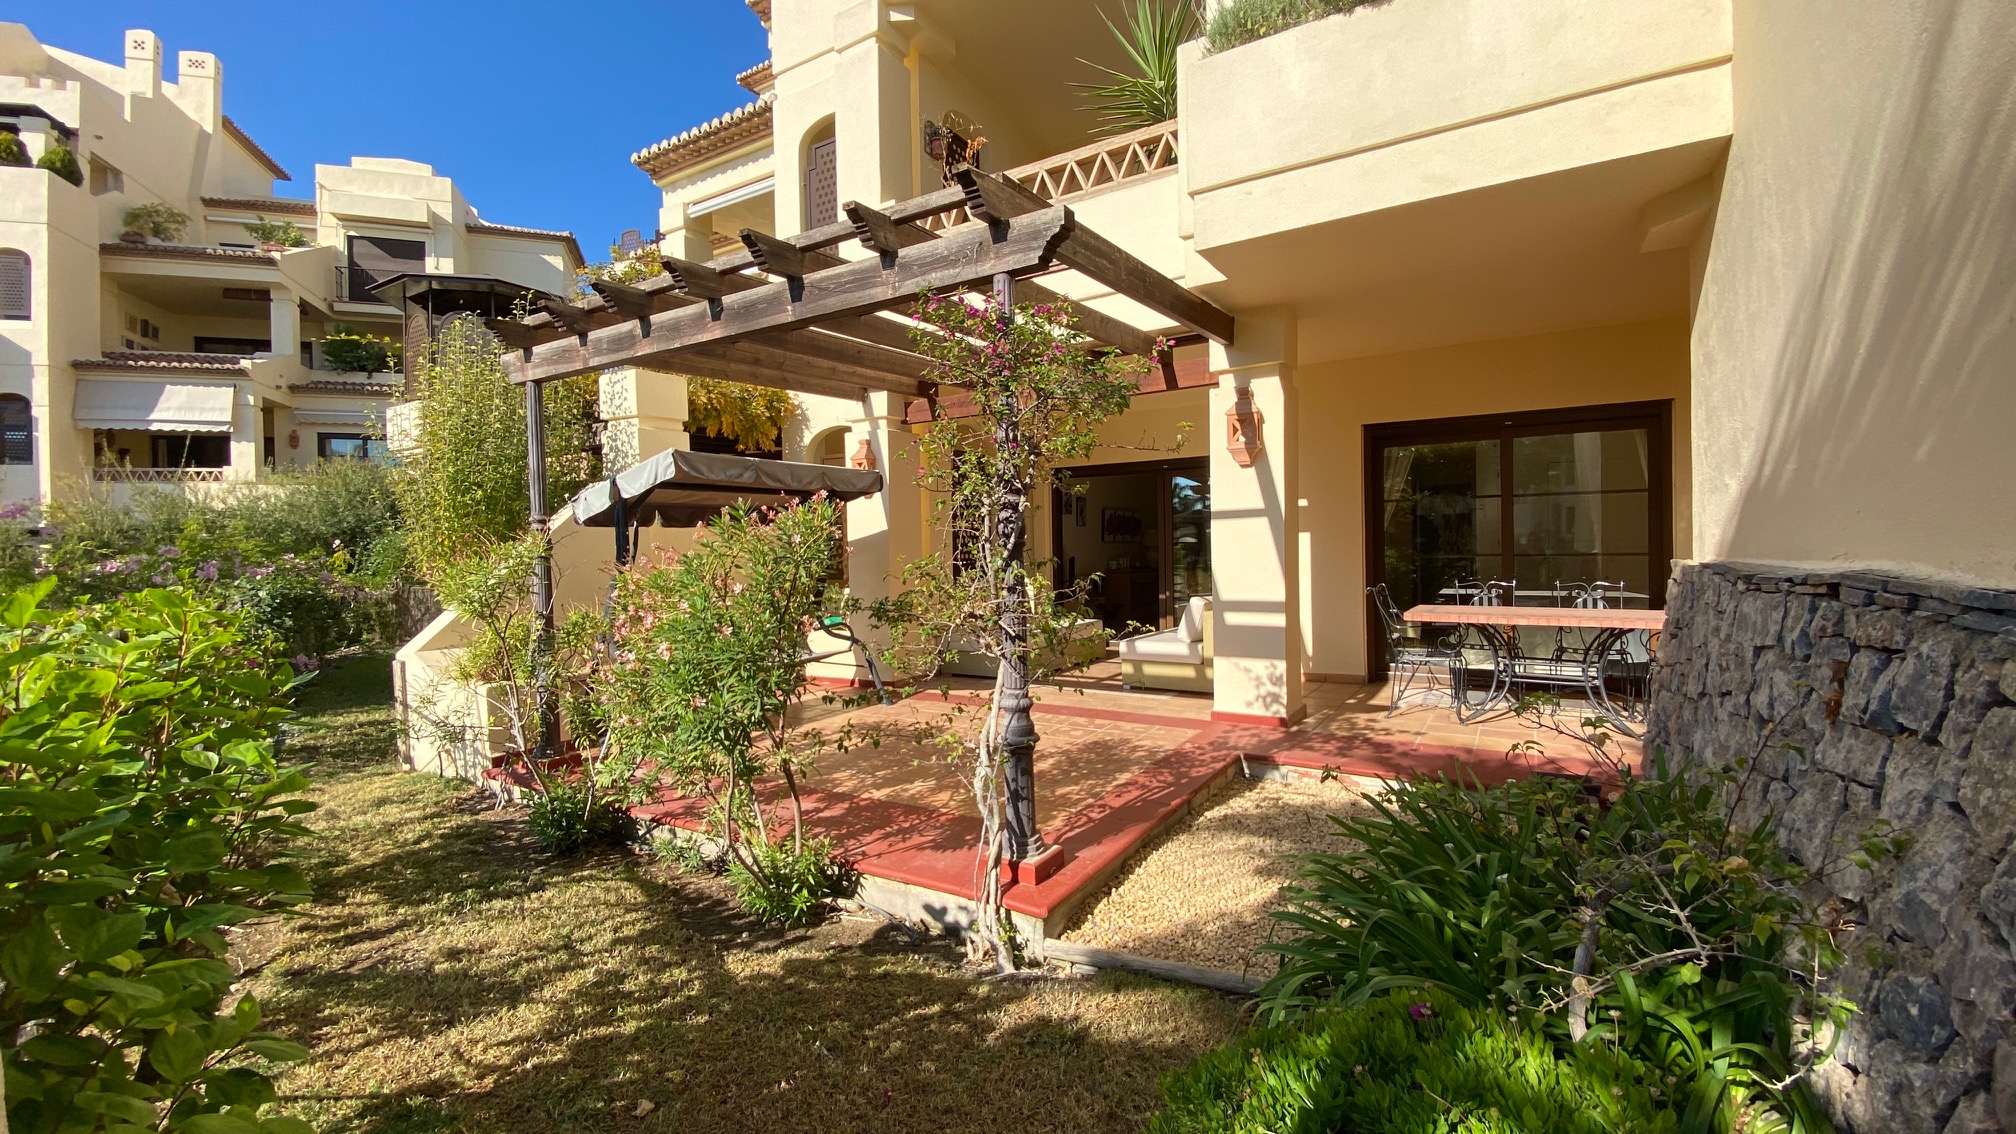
(1039,390)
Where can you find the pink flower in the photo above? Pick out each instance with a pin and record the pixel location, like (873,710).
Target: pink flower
(1420,1011)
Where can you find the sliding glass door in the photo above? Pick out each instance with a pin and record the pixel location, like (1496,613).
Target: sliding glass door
(1541,499)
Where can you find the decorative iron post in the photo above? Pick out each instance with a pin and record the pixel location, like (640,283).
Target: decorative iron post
(542,571)
(1018,729)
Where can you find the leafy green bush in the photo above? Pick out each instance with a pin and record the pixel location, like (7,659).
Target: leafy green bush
(143,812)
(347,348)
(570,816)
(1700,954)
(12,152)
(788,882)
(61,161)
(1243,21)
(158,220)
(1408,1064)
(283,232)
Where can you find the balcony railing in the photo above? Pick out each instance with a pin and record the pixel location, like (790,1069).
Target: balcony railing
(122,474)
(354,283)
(1108,161)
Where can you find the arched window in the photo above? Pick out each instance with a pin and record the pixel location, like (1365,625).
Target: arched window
(829,448)
(15,289)
(822,177)
(17,430)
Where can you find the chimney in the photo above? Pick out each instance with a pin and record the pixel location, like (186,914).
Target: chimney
(143,63)
(200,81)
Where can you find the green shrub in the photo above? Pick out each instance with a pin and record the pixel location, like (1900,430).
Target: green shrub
(59,160)
(282,232)
(1243,21)
(12,152)
(1408,1064)
(160,221)
(788,883)
(143,812)
(347,348)
(570,817)
(1705,956)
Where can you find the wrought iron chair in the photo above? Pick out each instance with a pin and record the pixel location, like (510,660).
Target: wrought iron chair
(1408,656)
(1492,592)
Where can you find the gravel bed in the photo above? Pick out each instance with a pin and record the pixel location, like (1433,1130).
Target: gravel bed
(1201,891)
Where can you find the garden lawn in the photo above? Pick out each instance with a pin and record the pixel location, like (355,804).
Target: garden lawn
(450,977)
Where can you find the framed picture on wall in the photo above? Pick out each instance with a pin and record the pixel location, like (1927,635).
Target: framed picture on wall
(1119,525)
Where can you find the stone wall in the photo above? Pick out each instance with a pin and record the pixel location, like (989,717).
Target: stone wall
(1869,697)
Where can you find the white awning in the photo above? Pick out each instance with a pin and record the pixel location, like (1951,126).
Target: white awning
(733,196)
(169,407)
(317,415)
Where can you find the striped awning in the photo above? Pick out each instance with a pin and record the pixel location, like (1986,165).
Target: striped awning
(158,406)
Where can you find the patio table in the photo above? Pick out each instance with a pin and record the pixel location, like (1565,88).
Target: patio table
(1590,668)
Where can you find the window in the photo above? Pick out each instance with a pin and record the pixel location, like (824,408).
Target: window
(822,183)
(105,177)
(348,447)
(15,285)
(191,451)
(239,347)
(375,259)
(17,430)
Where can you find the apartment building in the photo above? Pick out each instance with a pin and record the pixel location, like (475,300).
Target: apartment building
(129,358)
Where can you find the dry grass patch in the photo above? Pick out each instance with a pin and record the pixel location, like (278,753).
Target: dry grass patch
(1201,892)
(451,978)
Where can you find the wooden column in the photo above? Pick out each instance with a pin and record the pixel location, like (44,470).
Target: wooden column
(542,570)
(1018,728)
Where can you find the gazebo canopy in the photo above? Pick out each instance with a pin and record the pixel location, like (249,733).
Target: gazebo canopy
(678,488)
(815,325)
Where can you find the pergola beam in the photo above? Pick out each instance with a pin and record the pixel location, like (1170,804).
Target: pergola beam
(1093,255)
(957,261)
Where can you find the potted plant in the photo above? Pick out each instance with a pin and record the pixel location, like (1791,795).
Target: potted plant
(61,161)
(12,152)
(152,218)
(277,236)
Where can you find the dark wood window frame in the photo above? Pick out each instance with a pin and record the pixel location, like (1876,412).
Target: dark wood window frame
(1165,553)
(1654,417)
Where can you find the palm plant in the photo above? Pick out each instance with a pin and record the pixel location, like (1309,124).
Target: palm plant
(1148,95)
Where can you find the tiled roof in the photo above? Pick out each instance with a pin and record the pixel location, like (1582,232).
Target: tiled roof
(731,131)
(239,135)
(762,10)
(154,361)
(520,230)
(354,389)
(282,205)
(187,252)
(758,79)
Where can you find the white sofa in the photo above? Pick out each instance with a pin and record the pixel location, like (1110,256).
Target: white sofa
(1176,658)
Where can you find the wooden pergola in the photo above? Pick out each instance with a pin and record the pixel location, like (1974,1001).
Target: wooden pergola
(789,313)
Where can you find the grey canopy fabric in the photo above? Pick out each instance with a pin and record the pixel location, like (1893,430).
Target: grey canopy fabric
(678,488)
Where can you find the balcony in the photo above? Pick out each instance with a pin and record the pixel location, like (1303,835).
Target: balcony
(1076,174)
(1420,99)
(354,283)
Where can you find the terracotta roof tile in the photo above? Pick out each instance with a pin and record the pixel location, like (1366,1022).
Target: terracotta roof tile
(480,225)
(757,80)
(762,10)
(738,127)
(354,389)
(238,134)
(281,205)
(187,252)
(188,362)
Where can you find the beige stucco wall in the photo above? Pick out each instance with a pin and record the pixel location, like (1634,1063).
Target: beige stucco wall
(1596,366)
(1855,350)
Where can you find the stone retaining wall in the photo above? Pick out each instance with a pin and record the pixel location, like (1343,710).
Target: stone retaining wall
(1871,698)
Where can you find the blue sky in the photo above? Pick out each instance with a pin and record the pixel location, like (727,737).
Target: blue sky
(534,109)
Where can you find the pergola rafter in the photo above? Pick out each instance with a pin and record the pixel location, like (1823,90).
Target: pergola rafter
(810,317)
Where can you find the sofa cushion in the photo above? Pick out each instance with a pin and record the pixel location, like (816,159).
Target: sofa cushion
(1162,646)
(1190,623)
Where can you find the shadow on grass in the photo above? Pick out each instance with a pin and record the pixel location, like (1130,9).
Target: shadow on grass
(451,978)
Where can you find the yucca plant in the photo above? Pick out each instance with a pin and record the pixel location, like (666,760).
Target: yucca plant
(1148,95)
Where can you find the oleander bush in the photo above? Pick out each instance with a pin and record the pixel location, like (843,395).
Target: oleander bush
(143,812)
(1408,1063)
(1637,917)
(570,817)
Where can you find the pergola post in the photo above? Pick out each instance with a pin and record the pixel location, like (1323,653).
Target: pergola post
(542,570)
(1018,727)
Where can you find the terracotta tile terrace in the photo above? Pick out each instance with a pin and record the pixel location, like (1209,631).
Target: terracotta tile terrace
(1112,768)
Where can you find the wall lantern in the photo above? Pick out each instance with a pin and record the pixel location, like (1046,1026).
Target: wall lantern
(293,439)
(1242,429)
